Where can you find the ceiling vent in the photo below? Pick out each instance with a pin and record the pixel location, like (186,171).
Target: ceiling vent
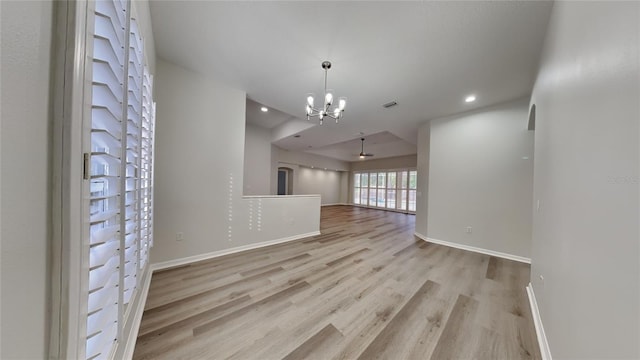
(389,104)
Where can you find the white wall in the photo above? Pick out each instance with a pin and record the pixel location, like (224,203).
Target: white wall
(327,183)
(478,178)
(25,147)
(199,173)
(585,235)
(309,176)
(422,193)
(257,161)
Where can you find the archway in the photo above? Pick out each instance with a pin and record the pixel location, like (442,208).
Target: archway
(532,118)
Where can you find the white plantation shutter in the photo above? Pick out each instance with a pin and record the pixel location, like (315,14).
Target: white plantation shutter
(148,121)
(132,170)
(105,182)
(119,173)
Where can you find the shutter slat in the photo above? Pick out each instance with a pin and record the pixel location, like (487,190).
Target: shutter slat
(104,234)
(100,345)
(103,97)
(107,29)
(103,216)
(101,254)
(100,276)
(104,119)
(105,52)
(113,11)
(102,297)
(105,139)
(104,72)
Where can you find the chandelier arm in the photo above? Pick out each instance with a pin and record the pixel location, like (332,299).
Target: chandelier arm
(314,112)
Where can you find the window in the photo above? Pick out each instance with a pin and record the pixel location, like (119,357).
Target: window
(386,189)
(356,190)
(120,175)
(391,190)
(412,189)
(373,180)
(364,191)
(382,190)
(402,186)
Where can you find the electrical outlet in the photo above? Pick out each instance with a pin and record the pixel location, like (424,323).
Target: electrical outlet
(179,236)
(469,229)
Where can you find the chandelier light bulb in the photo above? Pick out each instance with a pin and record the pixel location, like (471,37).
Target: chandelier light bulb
(328,98)
(336,112)
(310,100)
(342,103)
(321,115)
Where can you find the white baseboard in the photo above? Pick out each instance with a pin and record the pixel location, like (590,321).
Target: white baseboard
(137,317)
(476,249)
(334,204)
(191,259)
(537,321)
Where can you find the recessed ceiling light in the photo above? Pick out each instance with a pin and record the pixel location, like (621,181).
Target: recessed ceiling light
(264,109)
(470,98)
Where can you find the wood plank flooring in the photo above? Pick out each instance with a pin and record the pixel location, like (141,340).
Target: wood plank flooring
(365,288)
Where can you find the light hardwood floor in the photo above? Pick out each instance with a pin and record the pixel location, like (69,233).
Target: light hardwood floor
(364,289)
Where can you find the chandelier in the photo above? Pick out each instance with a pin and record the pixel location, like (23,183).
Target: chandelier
(325,110)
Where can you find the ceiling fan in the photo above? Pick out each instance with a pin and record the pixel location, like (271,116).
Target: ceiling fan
(362,153)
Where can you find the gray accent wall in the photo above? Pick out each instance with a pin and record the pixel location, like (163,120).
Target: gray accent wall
(257,161)
(199,174)
(480,176)
(422,193)
(586,242)
(26,144)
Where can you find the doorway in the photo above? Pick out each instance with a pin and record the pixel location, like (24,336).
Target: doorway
(285,183)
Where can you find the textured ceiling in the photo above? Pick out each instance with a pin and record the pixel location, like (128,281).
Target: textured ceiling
(427,56)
